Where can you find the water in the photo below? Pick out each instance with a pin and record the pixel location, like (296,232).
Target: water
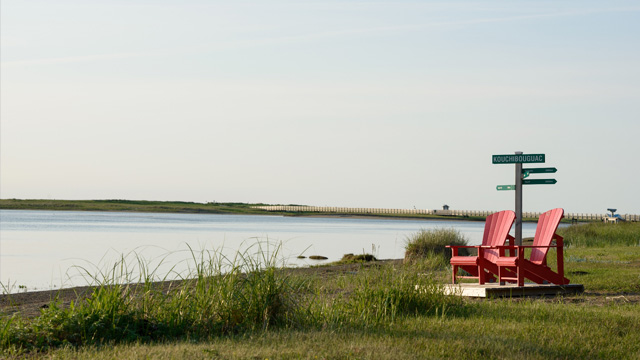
(49,249)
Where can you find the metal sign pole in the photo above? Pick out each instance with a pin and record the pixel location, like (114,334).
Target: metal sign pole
(518,201)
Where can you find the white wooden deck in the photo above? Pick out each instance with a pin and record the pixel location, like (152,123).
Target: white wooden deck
(511,290)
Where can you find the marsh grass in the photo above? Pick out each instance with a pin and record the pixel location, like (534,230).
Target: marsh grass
(219,296)
(131,205)
(426,243)
(384,295)
(353,258)
(599,234)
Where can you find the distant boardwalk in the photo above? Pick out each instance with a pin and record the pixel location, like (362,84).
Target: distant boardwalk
(375,211)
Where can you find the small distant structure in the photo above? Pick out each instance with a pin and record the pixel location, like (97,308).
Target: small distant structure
(613,217)
(444,212)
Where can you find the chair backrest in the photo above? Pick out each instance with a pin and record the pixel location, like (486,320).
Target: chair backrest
(545,231)
(496,229)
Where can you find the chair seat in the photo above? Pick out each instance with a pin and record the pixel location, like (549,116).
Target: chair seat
(506,261)
(464,260)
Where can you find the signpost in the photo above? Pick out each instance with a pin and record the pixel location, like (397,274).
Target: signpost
(518,159)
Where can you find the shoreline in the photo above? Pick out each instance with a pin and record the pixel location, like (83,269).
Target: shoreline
(180,207)
(184,207)
(158,207)
(283,214)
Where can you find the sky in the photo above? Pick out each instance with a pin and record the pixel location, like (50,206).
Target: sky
(384,104)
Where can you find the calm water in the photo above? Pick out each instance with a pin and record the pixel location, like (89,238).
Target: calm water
(44,249)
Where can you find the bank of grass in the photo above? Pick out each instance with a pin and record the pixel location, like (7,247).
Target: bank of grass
(131,206)
(219,297)
(192,207)
(250,294)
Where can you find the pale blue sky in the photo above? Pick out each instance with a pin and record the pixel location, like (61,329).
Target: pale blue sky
(391,104)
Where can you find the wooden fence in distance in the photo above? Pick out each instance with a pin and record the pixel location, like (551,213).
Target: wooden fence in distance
(478,213)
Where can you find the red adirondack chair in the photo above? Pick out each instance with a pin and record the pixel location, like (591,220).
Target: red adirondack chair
(535,268)
(496,233)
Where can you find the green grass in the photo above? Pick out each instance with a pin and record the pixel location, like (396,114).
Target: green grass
(355,259)
(425,243)
(599,234)
(491,330)
(222,297)
(131,205)
(191,207)
(610,270)
(249,307)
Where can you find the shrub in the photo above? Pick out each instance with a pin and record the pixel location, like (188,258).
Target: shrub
(427,243)
(351,258)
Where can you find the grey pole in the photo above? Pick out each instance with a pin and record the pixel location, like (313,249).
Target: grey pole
(518,201)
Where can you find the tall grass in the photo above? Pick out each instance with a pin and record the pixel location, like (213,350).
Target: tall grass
(601,234)
(220,296)
(427,243)
(383,295)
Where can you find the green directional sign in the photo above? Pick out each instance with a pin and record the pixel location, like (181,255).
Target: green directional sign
(539,181)
(539,170)
(517,158)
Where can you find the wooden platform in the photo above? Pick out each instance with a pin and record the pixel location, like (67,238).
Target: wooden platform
(511,290)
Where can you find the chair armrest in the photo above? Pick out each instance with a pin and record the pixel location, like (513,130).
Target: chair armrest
(454,248)
(538,246)
(522,246)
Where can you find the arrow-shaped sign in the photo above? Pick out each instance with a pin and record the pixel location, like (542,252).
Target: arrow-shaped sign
(539,181)
(548,170)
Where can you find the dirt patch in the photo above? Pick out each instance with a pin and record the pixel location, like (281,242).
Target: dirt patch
(29,304)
